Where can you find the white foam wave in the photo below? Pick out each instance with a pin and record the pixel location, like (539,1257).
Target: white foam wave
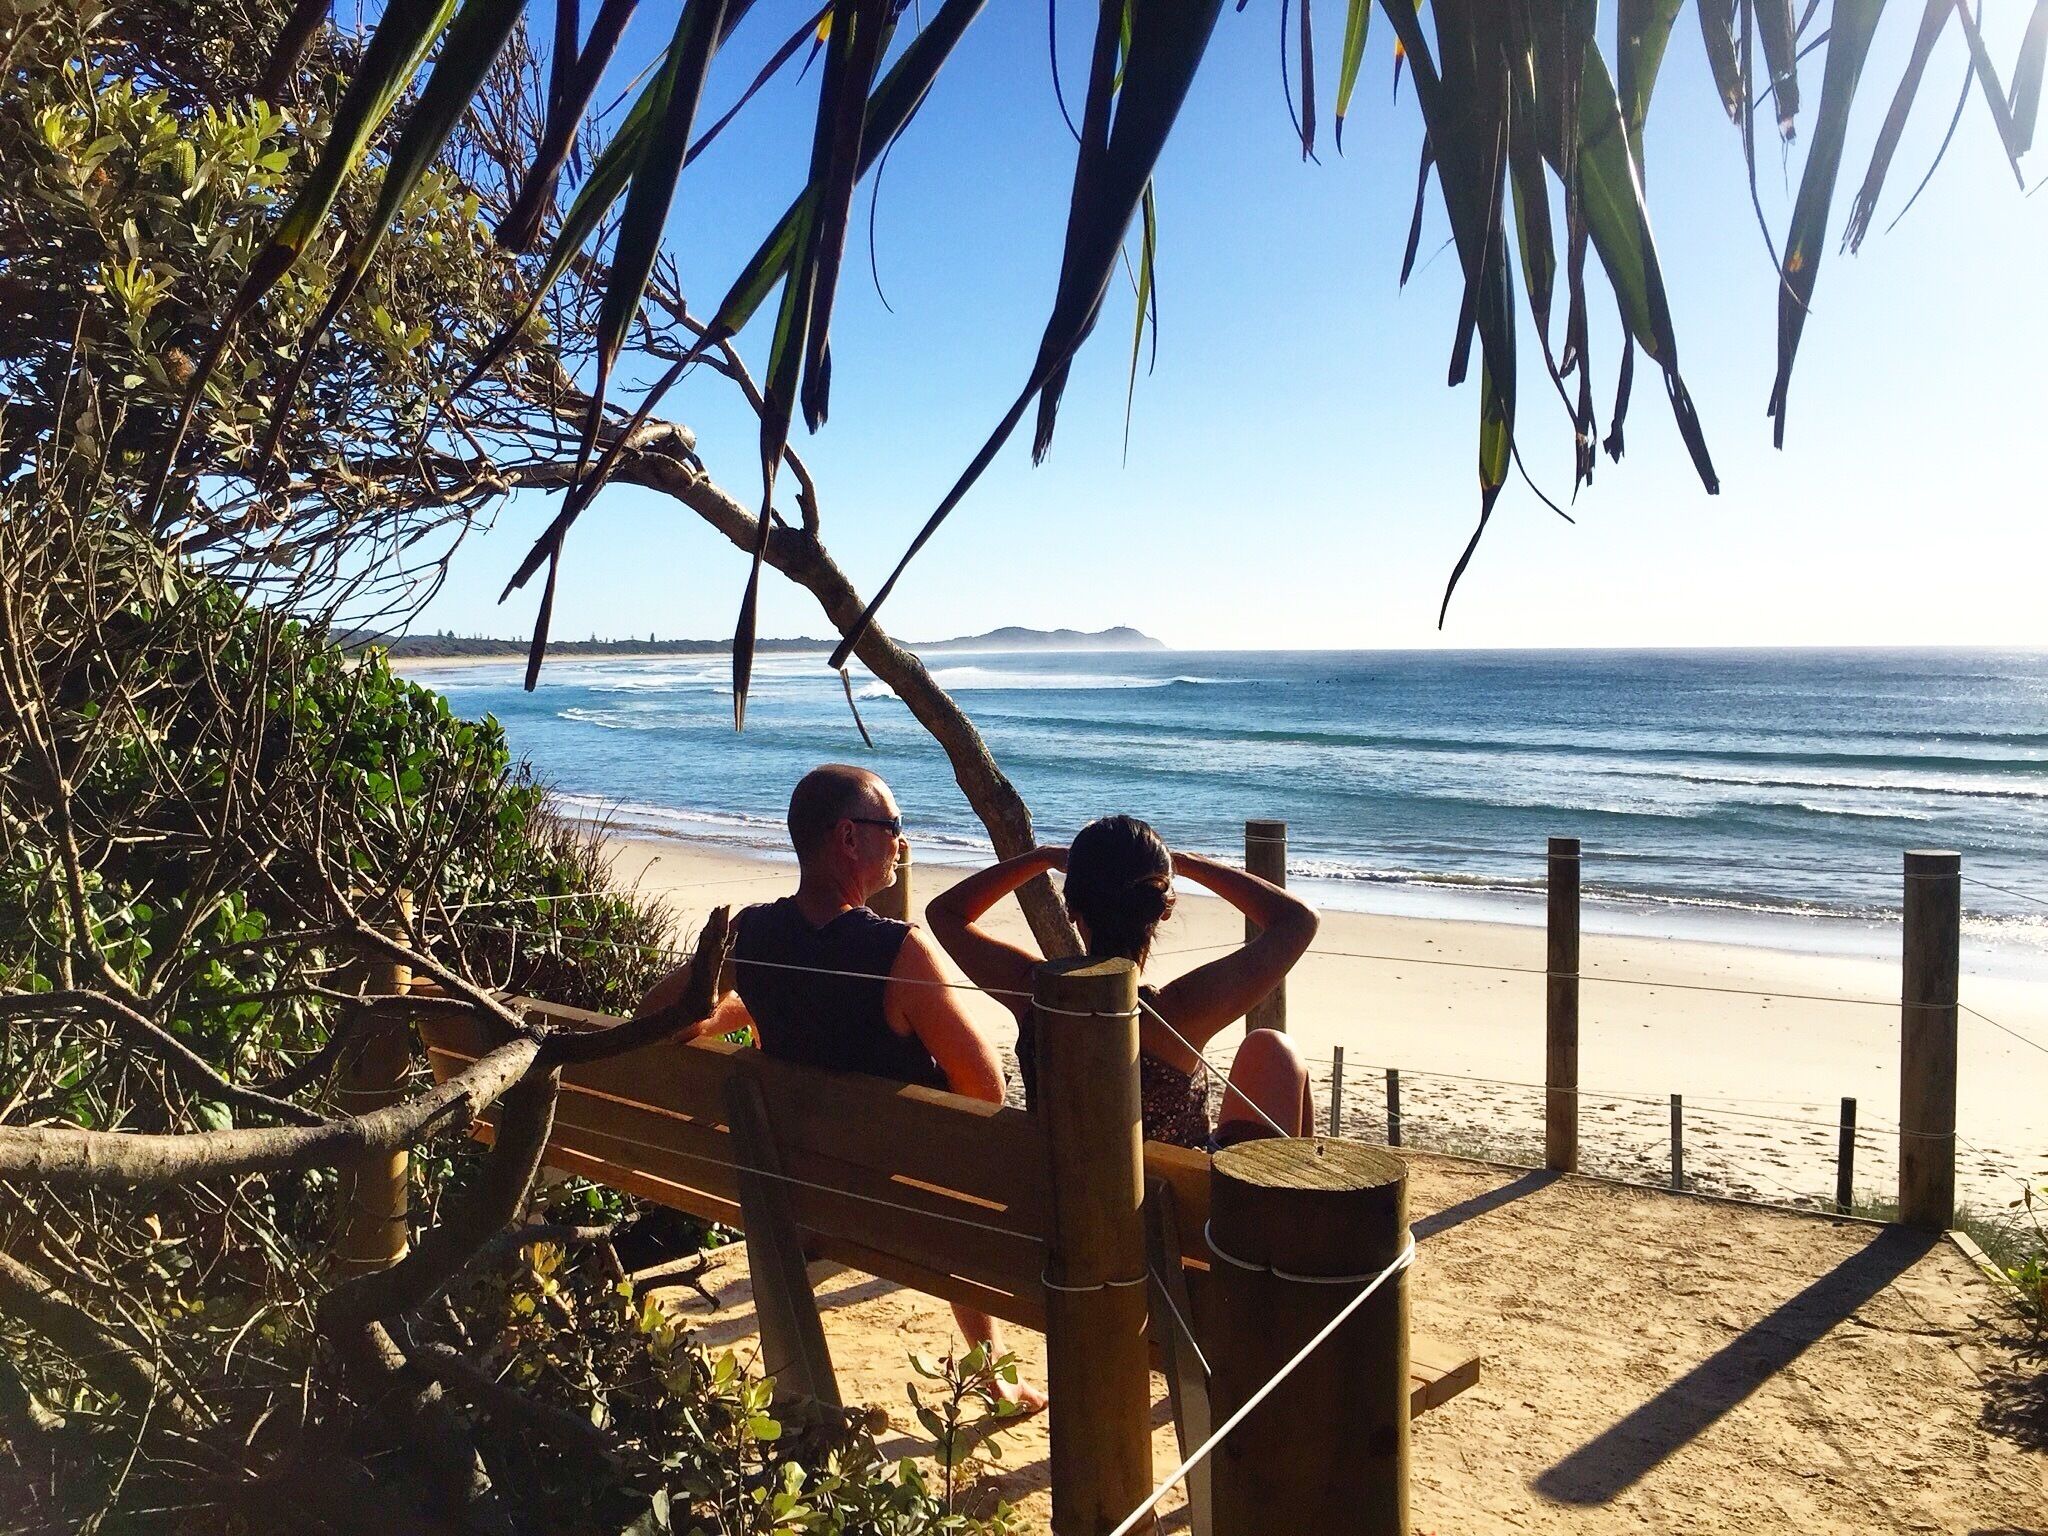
(990,679)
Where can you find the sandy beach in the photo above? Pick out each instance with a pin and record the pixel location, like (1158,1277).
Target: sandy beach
(1457,1008)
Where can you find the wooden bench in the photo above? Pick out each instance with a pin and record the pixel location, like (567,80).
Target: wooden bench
(942,1194)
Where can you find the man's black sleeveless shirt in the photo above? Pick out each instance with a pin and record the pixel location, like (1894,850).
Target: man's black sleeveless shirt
(827,1021)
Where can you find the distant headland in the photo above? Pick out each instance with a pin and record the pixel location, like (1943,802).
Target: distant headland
(1011,637)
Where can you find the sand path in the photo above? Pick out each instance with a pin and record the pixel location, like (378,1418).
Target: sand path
(1650,1363)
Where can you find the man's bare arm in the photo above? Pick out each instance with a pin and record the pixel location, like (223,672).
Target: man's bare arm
(933,1013)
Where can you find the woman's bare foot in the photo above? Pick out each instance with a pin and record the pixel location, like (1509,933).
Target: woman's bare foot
(1029,1399)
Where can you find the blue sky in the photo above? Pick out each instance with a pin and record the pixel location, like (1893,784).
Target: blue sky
(1298,475)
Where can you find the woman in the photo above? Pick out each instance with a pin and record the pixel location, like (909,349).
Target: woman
(1119,889)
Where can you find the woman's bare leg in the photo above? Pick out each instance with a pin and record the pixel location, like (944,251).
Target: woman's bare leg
(1269,1072)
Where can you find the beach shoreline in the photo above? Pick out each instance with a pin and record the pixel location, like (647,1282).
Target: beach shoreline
(1762,1043)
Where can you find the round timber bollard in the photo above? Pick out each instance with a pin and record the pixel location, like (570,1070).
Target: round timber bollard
(1328,1451)
(374,1190)
(1098,1371)
(893,900)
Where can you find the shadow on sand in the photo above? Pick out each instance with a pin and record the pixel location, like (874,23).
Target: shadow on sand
(2016,1392)
(1618,1457)
(1492,1200)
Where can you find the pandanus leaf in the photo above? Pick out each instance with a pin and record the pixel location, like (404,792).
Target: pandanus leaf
(1864,205)
(1780,38)
(1994,92)
(1467,114)
(389,61)
(1357,23)
(576,77)
(1536,244)
(562,57)
(894,101)
(1854,24)
(1496,445)
(2026,77)
(1642,32)
(846,100)
(802,325)
(1618,222)
(902,88)
(1168,39)
(610,175)
(680,83)
(1308,84)
(1717,27)
(475,39)
(1423,167)
(1147,306)
(645,216)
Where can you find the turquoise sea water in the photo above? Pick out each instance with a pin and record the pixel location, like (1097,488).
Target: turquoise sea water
(1764,796)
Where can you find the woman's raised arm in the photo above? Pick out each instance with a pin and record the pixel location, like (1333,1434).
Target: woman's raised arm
(993,964)
(1211,996)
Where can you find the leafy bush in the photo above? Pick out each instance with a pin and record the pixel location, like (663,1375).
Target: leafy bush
(705,1450)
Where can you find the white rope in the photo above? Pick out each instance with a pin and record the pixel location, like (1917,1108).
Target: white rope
(1209,1237)
(824,1189)
(1166,1295)
(534,901)
(1045,1279)
(1401,1262)
(911,981)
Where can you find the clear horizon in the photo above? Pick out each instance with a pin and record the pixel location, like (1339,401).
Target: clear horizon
(1297,476)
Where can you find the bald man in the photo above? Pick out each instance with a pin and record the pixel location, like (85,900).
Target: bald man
(880,1013)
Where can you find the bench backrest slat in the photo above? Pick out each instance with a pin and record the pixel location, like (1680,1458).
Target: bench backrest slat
(950,1187)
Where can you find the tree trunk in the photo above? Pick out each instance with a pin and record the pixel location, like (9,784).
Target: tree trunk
(803,559)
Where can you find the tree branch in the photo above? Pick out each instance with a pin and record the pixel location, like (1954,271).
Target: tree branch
(122,1161)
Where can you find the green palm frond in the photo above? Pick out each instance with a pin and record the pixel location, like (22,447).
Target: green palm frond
(1357,25)
(389,62)
(1167,41)
(475,39)
(1513,95)
(1849,38)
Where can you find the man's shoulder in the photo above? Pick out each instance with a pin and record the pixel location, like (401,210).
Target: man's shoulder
(917,954)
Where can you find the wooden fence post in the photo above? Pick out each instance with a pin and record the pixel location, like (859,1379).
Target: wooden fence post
(1561,1011)
(1097,1368)
(1336,1090)
(374,1191)
(1931,958)
(1328,1452)
(1678,1141)
(1845,1159)
(1265,855)
(1393,1106)
(894,900)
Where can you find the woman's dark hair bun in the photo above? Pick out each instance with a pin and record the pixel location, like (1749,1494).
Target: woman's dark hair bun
(1120,883)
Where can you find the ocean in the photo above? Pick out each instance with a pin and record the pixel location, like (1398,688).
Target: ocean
(1754,796)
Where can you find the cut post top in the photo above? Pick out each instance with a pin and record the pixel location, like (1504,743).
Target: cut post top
(1312,1205)
(1083,969)
(1564,848)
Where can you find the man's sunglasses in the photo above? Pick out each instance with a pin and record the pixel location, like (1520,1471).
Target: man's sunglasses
(893,825)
